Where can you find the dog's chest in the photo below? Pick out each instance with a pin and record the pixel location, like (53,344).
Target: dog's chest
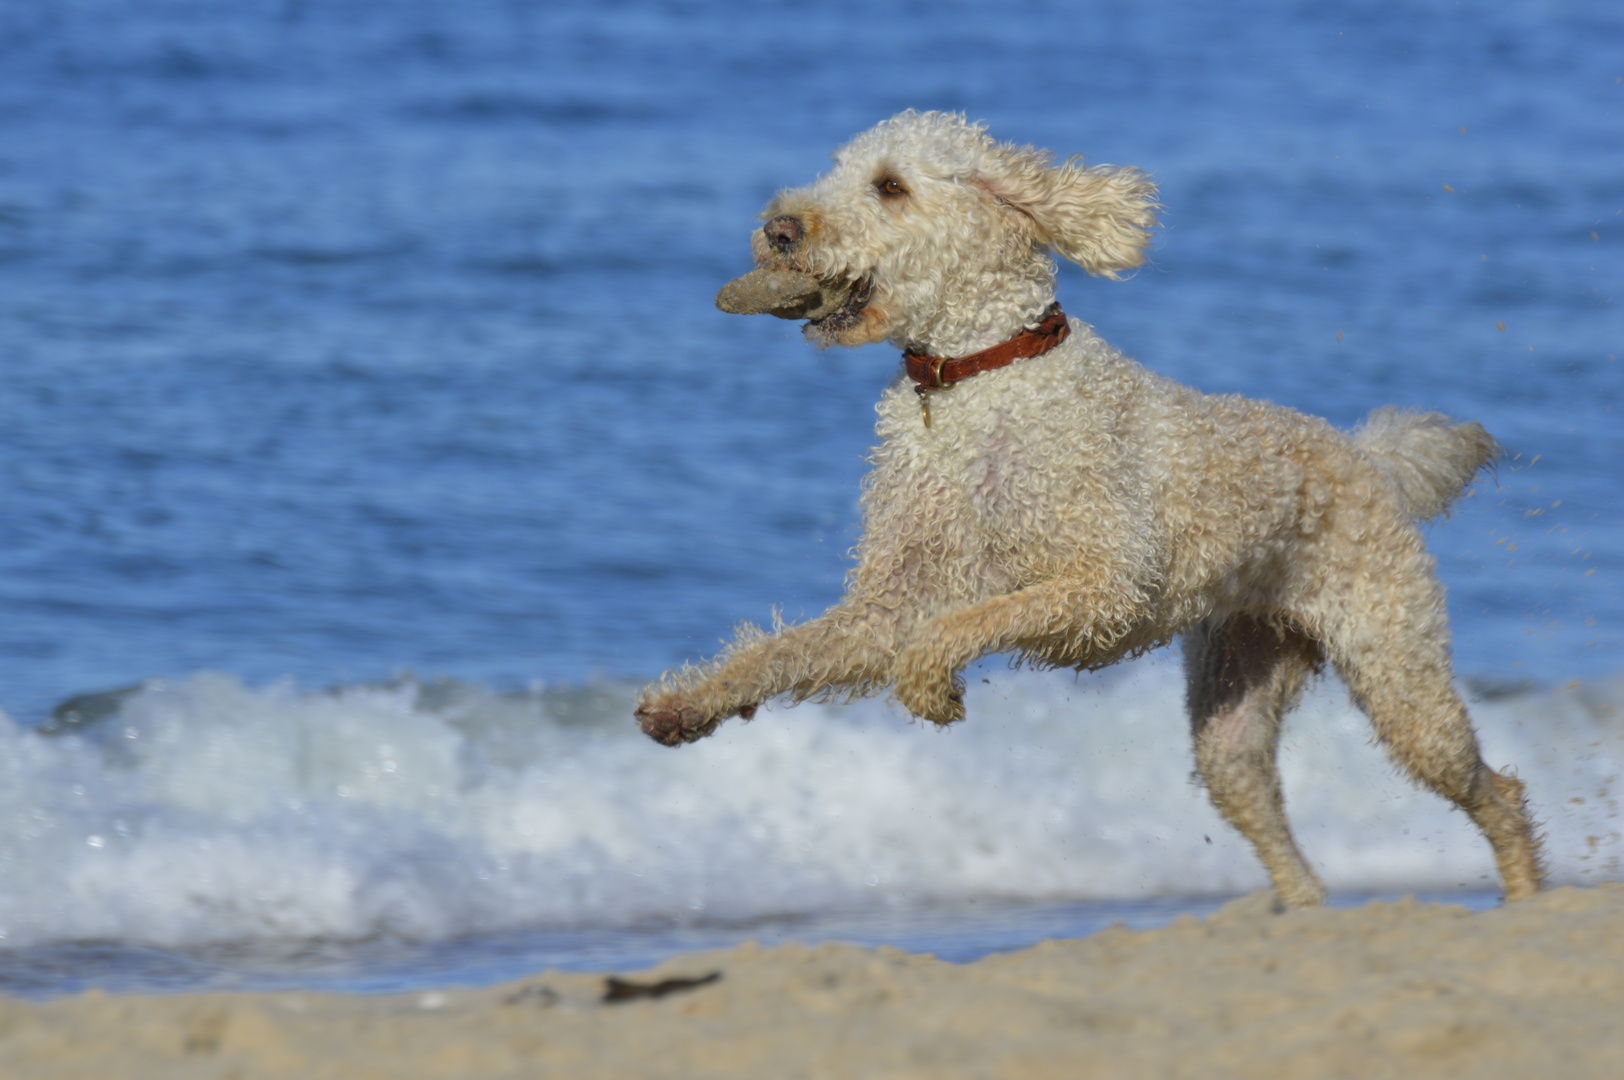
(1018,457)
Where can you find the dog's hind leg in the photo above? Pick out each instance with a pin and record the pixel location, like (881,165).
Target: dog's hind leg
(1369,595)
(1243,674)
(1400,675)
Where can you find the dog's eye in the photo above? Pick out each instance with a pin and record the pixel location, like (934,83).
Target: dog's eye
(890,185)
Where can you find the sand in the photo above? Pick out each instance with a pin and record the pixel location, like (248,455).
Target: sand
(1391,989)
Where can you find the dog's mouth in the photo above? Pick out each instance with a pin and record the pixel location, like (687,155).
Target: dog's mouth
(828,306)
(849,313)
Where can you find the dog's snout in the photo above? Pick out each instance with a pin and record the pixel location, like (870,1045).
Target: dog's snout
(784,232)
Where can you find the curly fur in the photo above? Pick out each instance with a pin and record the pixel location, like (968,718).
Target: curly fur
(1073,509)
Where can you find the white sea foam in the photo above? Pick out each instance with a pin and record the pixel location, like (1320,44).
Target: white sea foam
(207,811)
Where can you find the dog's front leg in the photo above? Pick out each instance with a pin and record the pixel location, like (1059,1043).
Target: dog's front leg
(1073,618)
(850,646)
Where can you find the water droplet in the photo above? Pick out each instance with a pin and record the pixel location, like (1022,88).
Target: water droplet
(94,841)
(131,733)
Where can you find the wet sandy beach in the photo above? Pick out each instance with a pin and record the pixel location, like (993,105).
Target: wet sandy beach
(1390,989)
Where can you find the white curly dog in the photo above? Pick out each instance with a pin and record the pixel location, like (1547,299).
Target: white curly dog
(1035,492)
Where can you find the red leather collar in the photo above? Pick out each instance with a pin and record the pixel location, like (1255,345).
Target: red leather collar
(939,372)
(936,372)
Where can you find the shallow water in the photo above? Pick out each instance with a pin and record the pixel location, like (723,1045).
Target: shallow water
(347,341)
(958,933)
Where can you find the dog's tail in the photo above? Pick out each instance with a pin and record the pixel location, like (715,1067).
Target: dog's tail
(1428,457)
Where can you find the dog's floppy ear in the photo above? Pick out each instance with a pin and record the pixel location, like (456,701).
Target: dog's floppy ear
(1097,216)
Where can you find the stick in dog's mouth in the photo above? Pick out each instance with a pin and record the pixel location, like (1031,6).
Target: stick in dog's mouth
(790,294)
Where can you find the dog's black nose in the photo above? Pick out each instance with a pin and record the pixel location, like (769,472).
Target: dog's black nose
(783,232)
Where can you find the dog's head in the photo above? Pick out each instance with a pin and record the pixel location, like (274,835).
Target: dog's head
(928,233)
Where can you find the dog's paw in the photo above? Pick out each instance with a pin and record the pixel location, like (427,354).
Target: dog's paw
(672,721)
(939,700)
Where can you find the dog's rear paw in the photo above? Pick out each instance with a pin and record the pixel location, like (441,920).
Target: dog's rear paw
(673,721)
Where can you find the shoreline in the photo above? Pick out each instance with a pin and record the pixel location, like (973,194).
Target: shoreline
(959,932)
(1390,988)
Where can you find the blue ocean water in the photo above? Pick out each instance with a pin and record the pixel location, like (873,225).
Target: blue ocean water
(344,341)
